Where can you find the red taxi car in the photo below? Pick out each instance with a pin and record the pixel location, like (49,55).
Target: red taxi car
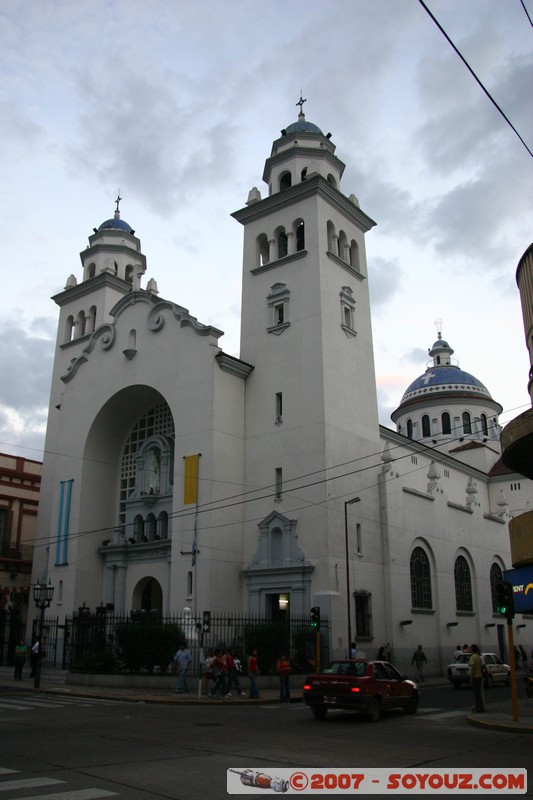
(360,685)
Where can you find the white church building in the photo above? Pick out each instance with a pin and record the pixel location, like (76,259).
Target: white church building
(176,475)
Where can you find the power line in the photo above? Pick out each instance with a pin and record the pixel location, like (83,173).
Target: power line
(526,13)
(467,65)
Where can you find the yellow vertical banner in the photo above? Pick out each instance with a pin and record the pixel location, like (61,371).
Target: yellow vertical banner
(190,479)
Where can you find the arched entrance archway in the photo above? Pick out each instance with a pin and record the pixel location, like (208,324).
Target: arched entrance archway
(147,595)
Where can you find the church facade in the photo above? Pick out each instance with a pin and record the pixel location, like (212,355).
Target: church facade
(178,476)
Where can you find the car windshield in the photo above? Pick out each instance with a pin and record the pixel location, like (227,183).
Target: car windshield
(357,668)
(463,658)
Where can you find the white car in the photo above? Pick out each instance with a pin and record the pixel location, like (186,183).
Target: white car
(459,671)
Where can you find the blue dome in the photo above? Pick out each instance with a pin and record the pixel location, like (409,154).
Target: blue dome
(116,224)
(447,380)
(302,126)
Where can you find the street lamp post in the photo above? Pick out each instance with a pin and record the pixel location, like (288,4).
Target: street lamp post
(348,599)
(42,595)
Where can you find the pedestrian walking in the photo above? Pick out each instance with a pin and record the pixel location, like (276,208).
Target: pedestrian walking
(476,678)
(352,650)
(523,657)
(183,660)
(207,668)
(233,666)
(253,672)
(418,660)
(283,667)
(35,656)
(219,670)
(21,654)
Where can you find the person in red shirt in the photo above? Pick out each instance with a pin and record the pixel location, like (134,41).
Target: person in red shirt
(253,672)
(283,668)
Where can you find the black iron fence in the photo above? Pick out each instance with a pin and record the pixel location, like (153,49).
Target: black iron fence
(13,629)
(102,641)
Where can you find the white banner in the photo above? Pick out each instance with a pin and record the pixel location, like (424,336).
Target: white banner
(248,780)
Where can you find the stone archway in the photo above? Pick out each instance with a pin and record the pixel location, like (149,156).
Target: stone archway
(147,595)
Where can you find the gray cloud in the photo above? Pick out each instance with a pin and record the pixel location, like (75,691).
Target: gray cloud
(384,280)
(156,133)
(26,361)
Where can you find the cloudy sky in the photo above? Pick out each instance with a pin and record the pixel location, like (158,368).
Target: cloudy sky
(177,102)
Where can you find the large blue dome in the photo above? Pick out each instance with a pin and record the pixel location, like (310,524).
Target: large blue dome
(116,224)
(446,379)
(302,126)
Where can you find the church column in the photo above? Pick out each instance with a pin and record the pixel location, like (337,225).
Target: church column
(272,252)
(110,583)
(335,244)
(346,254)
(120,588)
(290,243)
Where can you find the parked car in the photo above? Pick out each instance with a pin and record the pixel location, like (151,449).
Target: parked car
(459,671)
(369,687)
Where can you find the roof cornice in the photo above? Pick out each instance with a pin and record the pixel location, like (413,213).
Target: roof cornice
(314,186)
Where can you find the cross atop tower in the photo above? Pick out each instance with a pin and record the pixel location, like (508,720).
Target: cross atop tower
(438,324)
(117,201)
(300,103)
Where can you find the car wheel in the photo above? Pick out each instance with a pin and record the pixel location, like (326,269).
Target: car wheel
(319,712)
(456,685)
(374,710)
(412,704)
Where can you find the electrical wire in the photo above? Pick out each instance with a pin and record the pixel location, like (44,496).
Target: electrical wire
(467,65)
(526,13)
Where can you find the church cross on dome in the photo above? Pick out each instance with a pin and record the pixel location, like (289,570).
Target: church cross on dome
(117,209)
(300,103)
(438,324)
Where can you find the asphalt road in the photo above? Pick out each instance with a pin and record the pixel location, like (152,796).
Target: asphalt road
(70,748)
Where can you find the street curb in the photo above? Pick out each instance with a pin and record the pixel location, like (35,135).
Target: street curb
(511,726)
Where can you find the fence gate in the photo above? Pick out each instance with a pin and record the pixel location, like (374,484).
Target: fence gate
(11,632)
(51,626)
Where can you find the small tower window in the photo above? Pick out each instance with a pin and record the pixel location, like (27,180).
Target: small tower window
(285,181)
(138,528)
(279,407)
(343,246)
(262,250)
(278,483)
(278,304)
(331,237)
(426,429)
(347,310)
(354,255)
(282,242)
(410,428)
(446,423)
(129,273)
(300,236)
(467,423)
(484,425)
(69,328)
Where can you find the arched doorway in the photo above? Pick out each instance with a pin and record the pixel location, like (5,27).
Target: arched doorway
(147,596)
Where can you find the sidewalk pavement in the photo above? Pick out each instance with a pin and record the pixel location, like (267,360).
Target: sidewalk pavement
(498,716)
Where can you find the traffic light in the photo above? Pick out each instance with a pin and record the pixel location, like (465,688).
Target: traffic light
(505,599)
(206,622)
(315,618)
